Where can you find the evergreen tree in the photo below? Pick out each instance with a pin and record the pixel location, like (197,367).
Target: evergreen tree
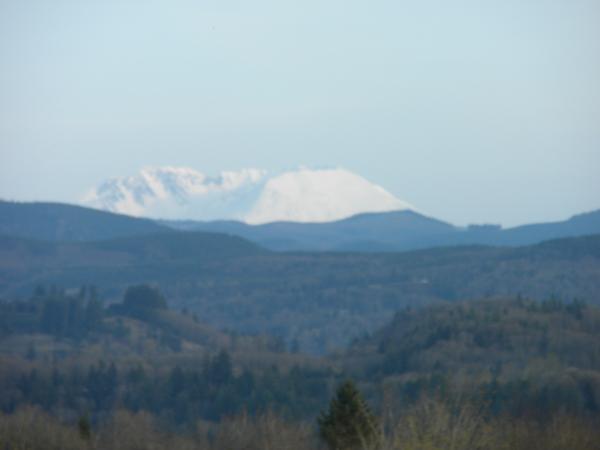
(349,424)
(85,427)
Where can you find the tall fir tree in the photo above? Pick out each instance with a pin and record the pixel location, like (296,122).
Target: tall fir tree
(85,427)
(349,423)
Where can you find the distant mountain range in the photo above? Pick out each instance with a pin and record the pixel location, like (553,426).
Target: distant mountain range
(392,231)
(373,232)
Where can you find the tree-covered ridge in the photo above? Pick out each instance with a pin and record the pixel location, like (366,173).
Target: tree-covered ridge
(486,335)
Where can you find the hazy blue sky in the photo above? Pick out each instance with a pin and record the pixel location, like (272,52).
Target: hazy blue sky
(470,110)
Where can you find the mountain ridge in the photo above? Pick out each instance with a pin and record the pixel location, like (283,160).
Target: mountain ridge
(394,231)
(366,232)
(53,221)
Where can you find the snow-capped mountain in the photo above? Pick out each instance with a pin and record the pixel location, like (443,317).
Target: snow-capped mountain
(320,196)
(249,195)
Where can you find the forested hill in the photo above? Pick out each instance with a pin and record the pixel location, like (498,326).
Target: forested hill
(501,338)
(67,352)
(63,222)
(523,357)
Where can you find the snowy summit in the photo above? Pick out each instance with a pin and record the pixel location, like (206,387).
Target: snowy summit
(249,195)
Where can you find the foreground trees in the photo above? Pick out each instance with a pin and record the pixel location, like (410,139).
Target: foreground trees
(431,425)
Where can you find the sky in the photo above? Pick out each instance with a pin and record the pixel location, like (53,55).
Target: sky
(473,111)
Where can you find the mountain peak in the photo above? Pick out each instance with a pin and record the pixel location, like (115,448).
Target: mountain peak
(250,195)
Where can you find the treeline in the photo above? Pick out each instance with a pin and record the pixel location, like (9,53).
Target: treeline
(430,425)
(177,396)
